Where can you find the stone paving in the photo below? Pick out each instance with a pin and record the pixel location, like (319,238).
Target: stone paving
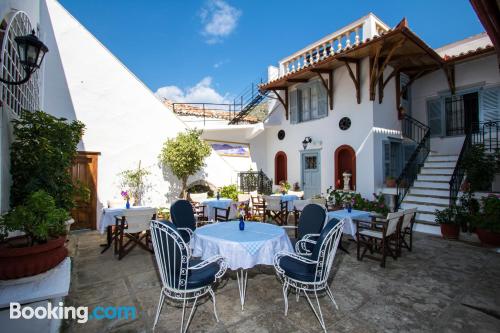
(442,286)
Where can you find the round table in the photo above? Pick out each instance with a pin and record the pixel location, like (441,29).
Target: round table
(214,203)
(256,245)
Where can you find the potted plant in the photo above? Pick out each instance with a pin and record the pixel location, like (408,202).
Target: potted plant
(230,192)
(487,221)
(284,187)
(449,224)
(41,247)
(390,181)
(135,185)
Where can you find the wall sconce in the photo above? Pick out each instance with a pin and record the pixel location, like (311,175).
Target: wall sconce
(307,140)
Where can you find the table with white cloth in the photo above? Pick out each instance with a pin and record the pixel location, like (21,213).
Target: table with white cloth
(257,244)
(349,225)
(288,198)
(213,203)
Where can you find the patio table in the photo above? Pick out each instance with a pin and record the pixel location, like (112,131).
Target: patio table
(243,249)
(288,198)
(213,203)
(349,225)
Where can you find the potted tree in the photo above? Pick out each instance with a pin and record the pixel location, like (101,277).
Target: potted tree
(448,222)
(487,221)
(41,247)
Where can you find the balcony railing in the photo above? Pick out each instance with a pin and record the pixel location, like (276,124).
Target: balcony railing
(249,181)
(350,35)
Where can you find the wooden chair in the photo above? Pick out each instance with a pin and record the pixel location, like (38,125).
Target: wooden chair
(276,209)
(257,205)
(407,229)
(379,240)
(222,214)
(199,210)
(133,225)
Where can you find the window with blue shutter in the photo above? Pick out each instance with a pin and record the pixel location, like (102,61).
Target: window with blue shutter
(294,111)
(308,102)
(490,104)
(322,101)
(435,117)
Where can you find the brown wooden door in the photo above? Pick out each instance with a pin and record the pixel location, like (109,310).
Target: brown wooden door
(84,170)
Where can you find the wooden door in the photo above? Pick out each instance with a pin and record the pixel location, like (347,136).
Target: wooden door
(84,170)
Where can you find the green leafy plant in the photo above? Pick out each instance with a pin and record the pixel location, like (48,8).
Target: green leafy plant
(229,191)
(480,168)
(163,213)
(38,218)
(489,216)
(447,216)
(284,186)
(185,155)
(135,183)
(41,157)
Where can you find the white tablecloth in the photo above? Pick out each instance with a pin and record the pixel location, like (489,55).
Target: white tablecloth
(289,198)
(349,225)
(214,203)
(108,216)
(256,245)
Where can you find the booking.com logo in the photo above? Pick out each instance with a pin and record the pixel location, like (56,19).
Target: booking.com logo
(80,314)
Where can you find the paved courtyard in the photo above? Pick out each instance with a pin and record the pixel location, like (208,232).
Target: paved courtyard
(442,286)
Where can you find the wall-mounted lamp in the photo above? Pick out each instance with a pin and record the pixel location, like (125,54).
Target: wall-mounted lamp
(307,140)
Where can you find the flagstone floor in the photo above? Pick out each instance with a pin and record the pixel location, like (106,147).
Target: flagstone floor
(442,286)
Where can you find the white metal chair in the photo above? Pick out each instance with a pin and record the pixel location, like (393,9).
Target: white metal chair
(133,224)
(310,275)
(183,278)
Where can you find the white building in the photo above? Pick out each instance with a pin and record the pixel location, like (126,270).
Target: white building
(365,96)
(80,79)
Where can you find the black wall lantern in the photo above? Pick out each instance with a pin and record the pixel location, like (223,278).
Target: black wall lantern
(31,52)
(307,140)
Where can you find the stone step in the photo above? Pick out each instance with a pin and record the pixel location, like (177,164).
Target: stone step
(426,222)
(439,192)
(442,158)
(422,207)
(431,177)
(427,200)
(436,171)
(432,184)
(439,164)
(425,216)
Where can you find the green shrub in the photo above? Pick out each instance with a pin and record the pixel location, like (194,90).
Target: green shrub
(489,216)
(38,218)
(229,191)
(447,216)
(480,168)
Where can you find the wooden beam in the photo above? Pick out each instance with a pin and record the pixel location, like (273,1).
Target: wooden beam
(355,79)
(394,72)
(373,71)
(449,71)
(348,59)
(297,80)
(398,94)
(284,103)
(321,70)
(328,86)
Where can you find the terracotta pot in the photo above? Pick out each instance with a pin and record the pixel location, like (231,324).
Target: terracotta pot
(450,231)
(390,183)
(488,237)
(28,261)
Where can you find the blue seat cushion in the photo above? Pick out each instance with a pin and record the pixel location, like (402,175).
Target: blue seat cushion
(297,270)
(202,277)
(185,235)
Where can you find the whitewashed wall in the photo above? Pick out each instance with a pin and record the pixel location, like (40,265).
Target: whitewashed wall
(124,120)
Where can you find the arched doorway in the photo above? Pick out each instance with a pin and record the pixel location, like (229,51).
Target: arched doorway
(345,160)
(280,167)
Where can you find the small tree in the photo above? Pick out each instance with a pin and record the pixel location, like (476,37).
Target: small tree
(185,155)
(135,181)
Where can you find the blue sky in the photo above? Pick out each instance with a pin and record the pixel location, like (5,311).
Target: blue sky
(210,50)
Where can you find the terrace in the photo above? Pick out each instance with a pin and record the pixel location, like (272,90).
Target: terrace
(441,286)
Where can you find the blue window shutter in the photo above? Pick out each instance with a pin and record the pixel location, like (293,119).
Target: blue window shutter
(387,158)
(434,117)
(314,101)
(322,101)
(490,104)
(294,112)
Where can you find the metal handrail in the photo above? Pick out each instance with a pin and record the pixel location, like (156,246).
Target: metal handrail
(459,172)
(255,181)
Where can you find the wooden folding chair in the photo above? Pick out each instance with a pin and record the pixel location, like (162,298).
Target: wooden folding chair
(134,226)
(276,209)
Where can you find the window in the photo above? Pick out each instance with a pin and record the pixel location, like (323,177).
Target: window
(396,155)
(310,162)
(308,102)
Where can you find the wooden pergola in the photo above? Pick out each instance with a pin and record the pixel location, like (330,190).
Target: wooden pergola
(398,48)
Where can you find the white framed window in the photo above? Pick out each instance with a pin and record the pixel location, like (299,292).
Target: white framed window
(308,102)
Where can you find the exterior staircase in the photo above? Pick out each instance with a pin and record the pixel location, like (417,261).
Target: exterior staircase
(431,189)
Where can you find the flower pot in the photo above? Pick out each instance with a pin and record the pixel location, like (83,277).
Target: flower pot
(488,237)
(18,262)
(390,183)
(450,231)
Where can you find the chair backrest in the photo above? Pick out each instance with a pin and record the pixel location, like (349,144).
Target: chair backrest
(181,213)
(311,220)
(138,218)
(198,197)
(392,222)
(325,249)
(319,201)
(273,202)
(244,197)
(256,199)
(172,256)
(300,204)
(299,194)
(116,203)
(409,215)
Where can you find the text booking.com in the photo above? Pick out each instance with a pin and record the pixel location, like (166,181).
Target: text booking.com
(81,313)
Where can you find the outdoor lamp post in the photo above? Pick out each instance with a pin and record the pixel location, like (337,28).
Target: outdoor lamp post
(307,140)
(31,52)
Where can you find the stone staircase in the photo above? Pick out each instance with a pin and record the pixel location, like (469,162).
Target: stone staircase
(431,189)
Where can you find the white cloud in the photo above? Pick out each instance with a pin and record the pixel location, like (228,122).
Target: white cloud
(219,20)
(202,92)
(218,64)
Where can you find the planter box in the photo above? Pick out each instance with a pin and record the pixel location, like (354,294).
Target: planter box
(450,231)
(488,237)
